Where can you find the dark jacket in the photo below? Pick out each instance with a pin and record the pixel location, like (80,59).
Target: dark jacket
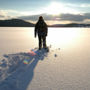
(41,28)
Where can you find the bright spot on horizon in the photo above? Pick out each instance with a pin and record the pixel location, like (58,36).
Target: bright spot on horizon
(64,37)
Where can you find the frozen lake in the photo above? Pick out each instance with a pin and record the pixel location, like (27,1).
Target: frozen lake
(70,70)
(22,39)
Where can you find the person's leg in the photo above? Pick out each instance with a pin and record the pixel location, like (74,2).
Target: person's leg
(40,42)
(44,42)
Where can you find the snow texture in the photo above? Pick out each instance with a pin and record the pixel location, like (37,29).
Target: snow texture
(14,74)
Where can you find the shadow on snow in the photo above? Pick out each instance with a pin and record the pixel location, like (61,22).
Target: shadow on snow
(20,75)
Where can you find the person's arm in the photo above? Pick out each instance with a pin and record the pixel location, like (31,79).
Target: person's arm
(46,29)
(35,32)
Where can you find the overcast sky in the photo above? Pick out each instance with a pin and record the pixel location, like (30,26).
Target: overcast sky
(60,11)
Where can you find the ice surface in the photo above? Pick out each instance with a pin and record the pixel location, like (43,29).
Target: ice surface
(65,67)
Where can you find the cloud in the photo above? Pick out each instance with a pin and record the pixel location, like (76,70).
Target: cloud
(72,17)
(85,5)
(1,16)
(35,17)
(87,15)
(75,17)
(8,14)
(61,17)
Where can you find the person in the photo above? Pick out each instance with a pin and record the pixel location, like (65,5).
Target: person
(42,30)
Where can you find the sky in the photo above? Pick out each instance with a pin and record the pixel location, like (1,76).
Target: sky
(53,11)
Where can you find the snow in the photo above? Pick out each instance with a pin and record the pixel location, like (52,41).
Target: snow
(16,74)
(62,68)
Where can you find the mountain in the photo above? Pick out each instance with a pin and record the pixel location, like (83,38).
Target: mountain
(22,23)
(71,25)
(15,23)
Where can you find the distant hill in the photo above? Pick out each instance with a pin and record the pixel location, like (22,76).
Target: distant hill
(22,23)
(15,23)
(71,25)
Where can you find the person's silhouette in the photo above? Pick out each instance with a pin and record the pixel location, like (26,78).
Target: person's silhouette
(42,30)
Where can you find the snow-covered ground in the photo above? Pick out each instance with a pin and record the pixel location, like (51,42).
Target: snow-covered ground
(65,67)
